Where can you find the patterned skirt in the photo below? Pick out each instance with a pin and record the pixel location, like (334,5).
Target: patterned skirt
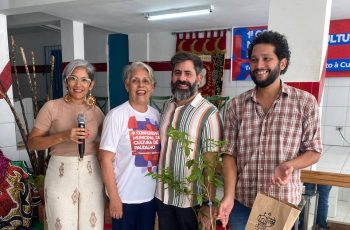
(74,194)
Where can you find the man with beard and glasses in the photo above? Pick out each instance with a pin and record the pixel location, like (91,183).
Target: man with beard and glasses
(187,111)
(271,132)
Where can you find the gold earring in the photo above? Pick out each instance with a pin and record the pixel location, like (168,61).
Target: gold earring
(67,98)
(90,100)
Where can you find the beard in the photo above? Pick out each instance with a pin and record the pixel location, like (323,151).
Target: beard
(183,94)
(270,78)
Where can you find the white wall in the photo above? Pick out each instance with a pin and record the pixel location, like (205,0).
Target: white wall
(36,42)
(96,52)
(151,47)
(336,111)
(95,44)
(7,142)
(154,47)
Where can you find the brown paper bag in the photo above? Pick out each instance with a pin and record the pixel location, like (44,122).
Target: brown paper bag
(269,213)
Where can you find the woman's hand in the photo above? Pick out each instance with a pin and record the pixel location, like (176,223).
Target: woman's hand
(77,134)
(116,208)
(41,140)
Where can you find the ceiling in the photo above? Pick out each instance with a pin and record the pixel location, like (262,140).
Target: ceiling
(126,16)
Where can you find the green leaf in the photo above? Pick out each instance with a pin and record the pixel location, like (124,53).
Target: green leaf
(199,199)
(190,163)
(195,166)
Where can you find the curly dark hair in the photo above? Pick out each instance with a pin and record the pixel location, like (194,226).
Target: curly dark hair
(276,39)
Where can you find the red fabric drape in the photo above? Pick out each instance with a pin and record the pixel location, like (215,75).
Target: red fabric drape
(210,46)
(5,79)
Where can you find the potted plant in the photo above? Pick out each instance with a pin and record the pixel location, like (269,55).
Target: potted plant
(205,172)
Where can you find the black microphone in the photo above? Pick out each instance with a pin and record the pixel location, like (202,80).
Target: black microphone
(81,124)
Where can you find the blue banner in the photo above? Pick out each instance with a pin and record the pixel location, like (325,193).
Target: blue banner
(335,65)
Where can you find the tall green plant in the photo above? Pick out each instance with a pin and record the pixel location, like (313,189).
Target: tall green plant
(204,172)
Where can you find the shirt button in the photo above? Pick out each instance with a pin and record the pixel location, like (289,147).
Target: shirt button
(262,153)
(261,169)
(260,185)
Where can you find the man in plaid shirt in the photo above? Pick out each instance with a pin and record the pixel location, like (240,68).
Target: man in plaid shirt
(272,131)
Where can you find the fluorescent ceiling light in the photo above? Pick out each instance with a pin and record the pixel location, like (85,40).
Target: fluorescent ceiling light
(177,13)
(51,27)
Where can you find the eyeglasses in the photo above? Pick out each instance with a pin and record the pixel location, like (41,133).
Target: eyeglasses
(73,80)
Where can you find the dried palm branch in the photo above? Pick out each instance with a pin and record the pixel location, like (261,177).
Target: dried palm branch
(29,79)
(31,154)
(14,68)
(52,67)
(35,90)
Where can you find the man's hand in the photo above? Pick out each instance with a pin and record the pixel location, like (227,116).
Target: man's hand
(282,175)
(206,218)
(225,209)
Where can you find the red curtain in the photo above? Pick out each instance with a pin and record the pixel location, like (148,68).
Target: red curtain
(210,46)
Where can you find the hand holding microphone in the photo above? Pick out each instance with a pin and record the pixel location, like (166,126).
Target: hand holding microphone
(81,124)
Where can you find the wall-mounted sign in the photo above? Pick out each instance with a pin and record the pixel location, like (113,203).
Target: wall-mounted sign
(338,56)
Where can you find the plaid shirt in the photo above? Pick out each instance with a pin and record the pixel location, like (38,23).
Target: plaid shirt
(260,142)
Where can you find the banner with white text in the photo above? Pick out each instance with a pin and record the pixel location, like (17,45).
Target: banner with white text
(338,56)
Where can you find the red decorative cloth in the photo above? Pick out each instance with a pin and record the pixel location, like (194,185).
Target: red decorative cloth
(5,79)
(210,46)
(4,163)
(15,196)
